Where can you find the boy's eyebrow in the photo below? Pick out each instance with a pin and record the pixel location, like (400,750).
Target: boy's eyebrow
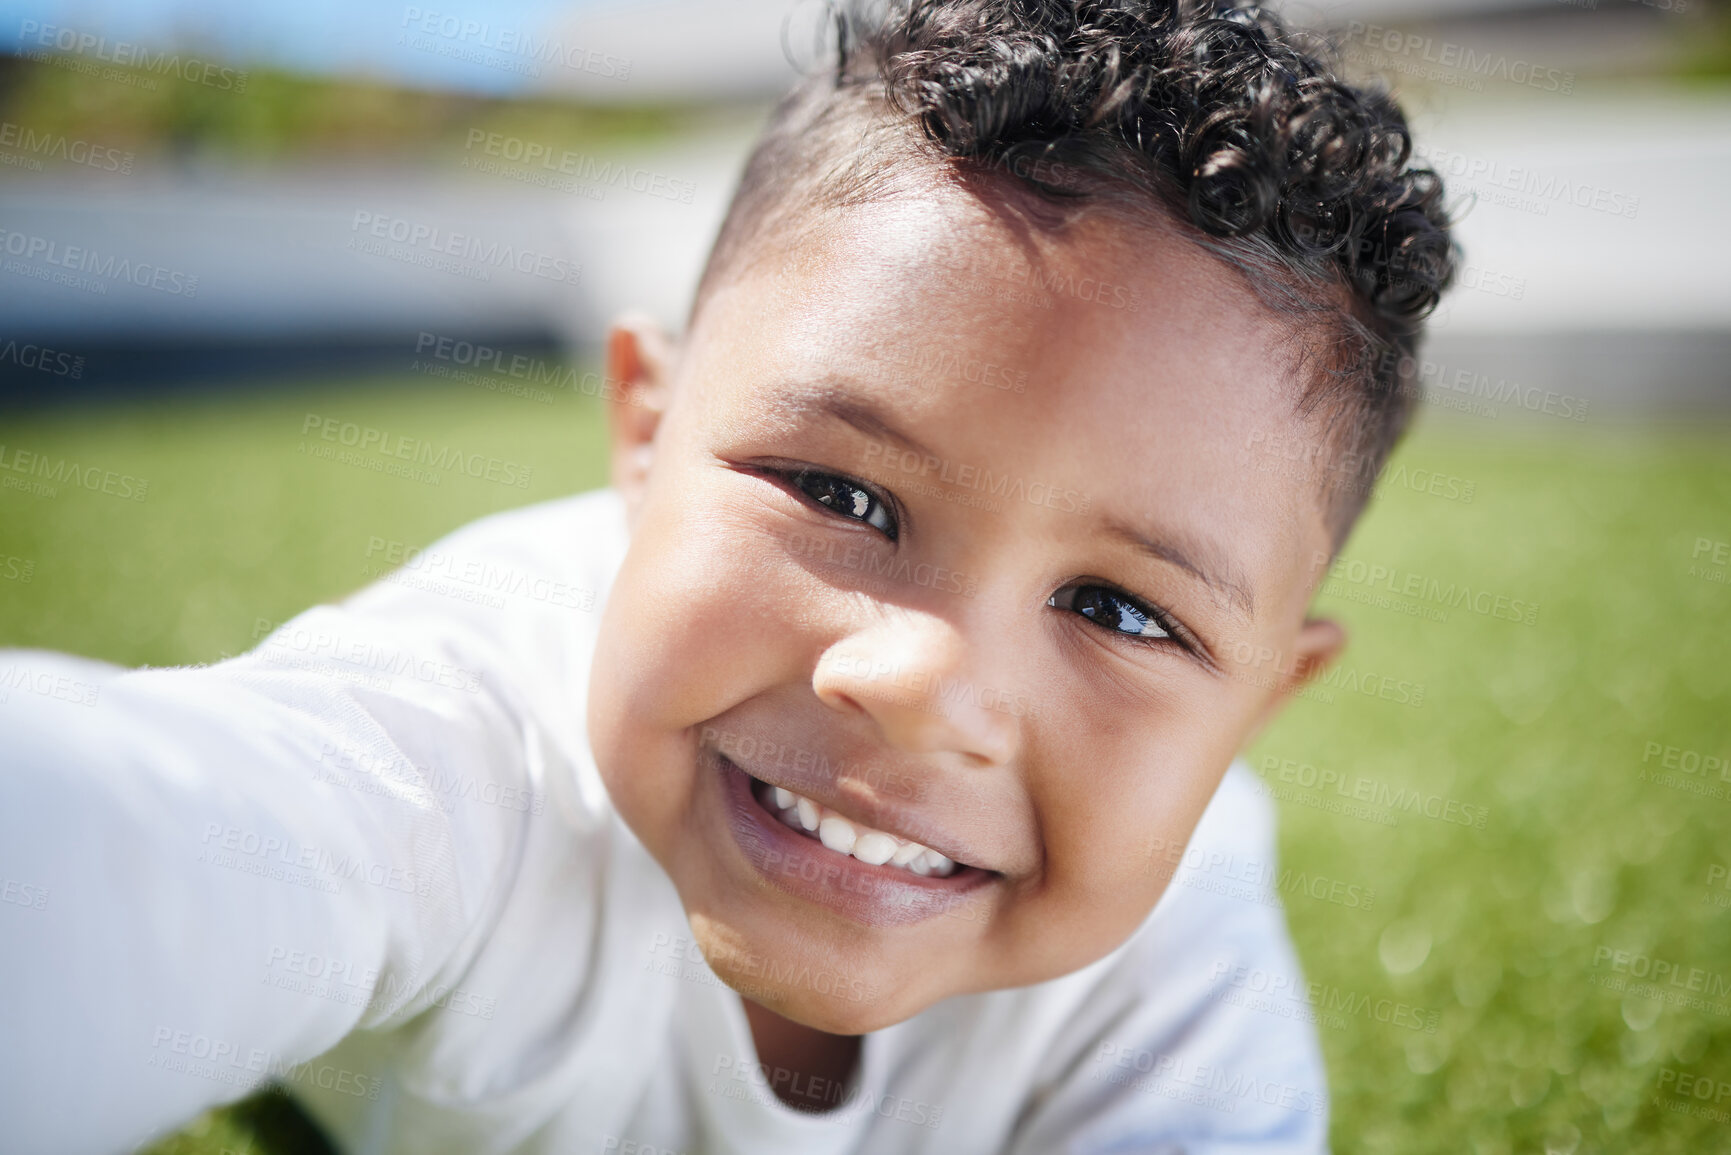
(1223,578)
(836,401)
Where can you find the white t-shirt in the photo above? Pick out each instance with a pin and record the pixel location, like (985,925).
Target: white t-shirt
(373,860)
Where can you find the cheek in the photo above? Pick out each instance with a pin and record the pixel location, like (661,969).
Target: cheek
(1114,810)
(698,621)
(670,657)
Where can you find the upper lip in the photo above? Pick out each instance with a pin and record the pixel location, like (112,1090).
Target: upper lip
(871,810)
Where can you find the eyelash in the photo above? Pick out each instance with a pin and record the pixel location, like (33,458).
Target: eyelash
(1171,633)
(795,478)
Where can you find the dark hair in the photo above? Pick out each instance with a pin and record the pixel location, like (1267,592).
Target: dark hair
(1215,113)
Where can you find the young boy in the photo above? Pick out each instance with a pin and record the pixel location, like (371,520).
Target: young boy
(825,784)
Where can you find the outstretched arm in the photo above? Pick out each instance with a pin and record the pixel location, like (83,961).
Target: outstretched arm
(215,874)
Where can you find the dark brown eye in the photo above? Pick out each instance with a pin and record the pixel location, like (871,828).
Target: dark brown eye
(1111,610)
(846,498)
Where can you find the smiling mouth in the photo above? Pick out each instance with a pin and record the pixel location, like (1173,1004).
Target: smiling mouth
(846,836)
(842,864)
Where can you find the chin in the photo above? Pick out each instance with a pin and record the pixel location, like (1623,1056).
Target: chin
(839,991)
(832,1014)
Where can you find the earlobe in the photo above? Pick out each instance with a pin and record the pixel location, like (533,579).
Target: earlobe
(640,358)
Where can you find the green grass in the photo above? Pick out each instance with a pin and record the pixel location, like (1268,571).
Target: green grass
(1546,726)
(1490,934)
(239,523)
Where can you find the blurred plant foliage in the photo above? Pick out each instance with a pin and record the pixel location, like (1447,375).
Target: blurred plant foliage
(1708,53)
(286,116)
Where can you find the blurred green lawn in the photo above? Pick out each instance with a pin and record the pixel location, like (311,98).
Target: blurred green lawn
(1493,935)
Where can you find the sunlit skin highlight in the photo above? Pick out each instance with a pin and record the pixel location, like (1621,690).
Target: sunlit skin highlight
(1093,745)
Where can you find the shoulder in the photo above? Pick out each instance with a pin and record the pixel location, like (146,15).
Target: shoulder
(515,596)
(508,560)
(1219,878)
(475,647)
(1160,1048)
(1221,909)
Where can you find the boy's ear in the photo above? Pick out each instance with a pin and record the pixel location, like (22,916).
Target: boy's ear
(1320,641)
(640,358)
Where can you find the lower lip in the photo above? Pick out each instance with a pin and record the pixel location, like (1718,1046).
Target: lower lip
(806,868)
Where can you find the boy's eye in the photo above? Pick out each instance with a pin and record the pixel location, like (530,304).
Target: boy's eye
(846,498)
(1114,611)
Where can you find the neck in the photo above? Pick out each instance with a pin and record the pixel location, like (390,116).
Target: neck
(807,1068)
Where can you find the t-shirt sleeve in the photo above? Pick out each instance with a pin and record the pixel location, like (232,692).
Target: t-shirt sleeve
(1197,1036)
(219,872)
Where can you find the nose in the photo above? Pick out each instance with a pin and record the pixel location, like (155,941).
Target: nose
(911,675)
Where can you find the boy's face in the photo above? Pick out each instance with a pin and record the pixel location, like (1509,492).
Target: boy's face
(956,531)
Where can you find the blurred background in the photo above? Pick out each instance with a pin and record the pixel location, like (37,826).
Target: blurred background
(220,223)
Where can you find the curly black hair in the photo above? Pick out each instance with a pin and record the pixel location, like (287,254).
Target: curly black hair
(1211,111)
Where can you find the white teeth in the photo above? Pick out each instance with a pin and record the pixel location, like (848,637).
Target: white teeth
(837,833)
(874,847)
(845,837)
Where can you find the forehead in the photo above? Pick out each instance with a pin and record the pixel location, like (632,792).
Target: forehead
(1119,358)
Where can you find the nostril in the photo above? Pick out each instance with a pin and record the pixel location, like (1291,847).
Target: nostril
(842,701)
